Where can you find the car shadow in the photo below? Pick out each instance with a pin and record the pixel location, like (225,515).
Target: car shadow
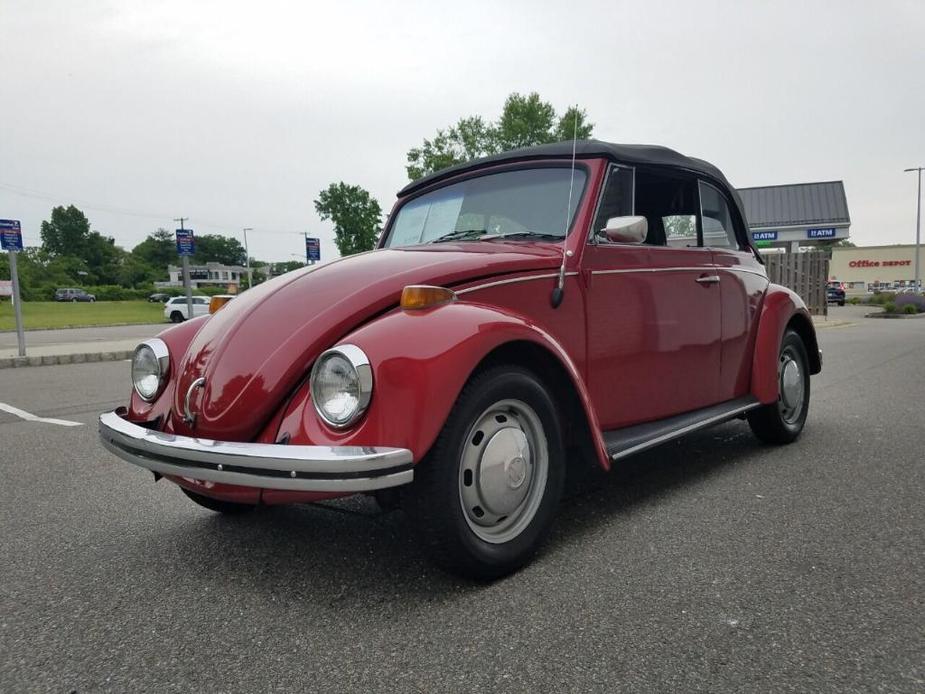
(348,551)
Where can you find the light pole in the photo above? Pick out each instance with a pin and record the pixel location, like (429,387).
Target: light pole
(247,253)
(918,227)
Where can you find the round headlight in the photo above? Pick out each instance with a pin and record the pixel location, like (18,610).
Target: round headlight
(150,367)
(342,384)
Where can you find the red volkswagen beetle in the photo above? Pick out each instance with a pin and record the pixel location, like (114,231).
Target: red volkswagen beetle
(598,298)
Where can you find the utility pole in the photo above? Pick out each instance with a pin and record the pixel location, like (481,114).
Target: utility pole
(247,253)
(189,289)
(918,228)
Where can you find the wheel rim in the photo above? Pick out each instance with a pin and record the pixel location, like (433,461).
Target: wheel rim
(503,470)
(792,386)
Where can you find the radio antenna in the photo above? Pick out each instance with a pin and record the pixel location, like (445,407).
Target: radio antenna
(559,292)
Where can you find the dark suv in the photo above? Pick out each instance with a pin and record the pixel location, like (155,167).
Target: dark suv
(71,294)
(835,294)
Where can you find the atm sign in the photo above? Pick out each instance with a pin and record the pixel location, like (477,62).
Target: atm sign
(764,235)
(821,233)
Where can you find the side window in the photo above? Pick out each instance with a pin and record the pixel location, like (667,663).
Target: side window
(670,203)
(718,230)
(616,201)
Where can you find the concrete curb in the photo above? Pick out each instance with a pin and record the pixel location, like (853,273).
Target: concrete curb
(56,359)
(77,327)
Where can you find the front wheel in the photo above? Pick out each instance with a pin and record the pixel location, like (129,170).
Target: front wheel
(783,421)
(484,498)
(227,507)
(176,317)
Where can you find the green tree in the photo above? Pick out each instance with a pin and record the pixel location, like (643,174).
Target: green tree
(525,121)
(356,216)
(215,248)
(66,233)
(158,251)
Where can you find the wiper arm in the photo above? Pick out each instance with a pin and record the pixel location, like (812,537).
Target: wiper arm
(459,235)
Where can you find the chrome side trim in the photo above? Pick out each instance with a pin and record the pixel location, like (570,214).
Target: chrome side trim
(261,465)
(513,280)
(714,268)
(677,433)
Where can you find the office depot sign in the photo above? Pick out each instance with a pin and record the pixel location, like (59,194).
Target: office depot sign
(879,263)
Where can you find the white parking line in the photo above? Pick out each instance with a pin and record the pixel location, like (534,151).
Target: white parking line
(29,417)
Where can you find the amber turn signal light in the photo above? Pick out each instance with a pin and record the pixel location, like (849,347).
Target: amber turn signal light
(418,296)
(219,300)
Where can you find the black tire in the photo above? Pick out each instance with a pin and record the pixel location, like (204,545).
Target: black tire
(176,317)
(227,507)
(841,303)
(74,301)
(782,422)
(436,498)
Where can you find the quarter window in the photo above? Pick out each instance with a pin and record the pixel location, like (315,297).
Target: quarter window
(718,230)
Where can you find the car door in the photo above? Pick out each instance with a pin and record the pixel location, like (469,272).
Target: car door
(742,283)
(653,310)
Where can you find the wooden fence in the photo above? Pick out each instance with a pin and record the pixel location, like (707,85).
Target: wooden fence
(804,273)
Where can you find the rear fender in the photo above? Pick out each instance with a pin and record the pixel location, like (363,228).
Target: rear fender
(781,309)
(421,361)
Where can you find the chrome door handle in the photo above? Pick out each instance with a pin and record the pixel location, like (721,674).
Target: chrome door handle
(708,279)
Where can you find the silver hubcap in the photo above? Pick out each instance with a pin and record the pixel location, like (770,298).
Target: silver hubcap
(791,386)
(503,471)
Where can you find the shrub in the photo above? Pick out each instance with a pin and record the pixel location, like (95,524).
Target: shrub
(890,307)
(881,298)
(854,301)
(916,300)
(910,309)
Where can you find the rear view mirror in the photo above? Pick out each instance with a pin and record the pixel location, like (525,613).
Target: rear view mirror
(626,229)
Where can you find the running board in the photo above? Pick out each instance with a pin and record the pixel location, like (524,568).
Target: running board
(625,442)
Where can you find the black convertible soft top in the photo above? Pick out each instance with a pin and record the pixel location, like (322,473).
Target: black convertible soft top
(645,155)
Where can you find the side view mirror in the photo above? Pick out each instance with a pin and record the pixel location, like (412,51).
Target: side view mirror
(626,229)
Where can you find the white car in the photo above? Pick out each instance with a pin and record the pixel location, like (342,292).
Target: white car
(176,312)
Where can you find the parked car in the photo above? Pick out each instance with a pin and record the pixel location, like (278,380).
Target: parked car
(158,298)
(176,310)
(835,293)
(523,313)
(73,294)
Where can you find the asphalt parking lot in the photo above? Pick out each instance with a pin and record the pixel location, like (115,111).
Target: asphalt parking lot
(711,564)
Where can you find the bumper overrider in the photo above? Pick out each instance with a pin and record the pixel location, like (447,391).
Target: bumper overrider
(261,465)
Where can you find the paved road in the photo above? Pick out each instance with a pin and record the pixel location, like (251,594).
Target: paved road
(67,336)
(712,564)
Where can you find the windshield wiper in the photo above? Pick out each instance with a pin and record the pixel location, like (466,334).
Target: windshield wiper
(530,232)
(460,235)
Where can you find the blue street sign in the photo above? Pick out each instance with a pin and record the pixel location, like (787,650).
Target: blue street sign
(312,249)
(10,235)
(764,235)
(186,244)
(821,233)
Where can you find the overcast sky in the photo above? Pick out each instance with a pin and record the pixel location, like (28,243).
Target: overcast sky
(236,114)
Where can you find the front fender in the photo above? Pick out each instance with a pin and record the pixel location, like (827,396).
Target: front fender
(781,308)
(421,361)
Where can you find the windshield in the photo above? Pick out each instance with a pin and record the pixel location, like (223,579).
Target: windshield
(527,201)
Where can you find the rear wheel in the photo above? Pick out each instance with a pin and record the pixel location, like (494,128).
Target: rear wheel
(227,507)
(485,497)
(176,317)
(783,421)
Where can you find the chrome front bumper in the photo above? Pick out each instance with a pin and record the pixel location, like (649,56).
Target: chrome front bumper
(262,465)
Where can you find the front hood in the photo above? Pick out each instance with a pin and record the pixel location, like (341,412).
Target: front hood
(257,348)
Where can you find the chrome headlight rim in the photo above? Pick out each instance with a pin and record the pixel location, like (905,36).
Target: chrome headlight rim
(357,359)
(162,358)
